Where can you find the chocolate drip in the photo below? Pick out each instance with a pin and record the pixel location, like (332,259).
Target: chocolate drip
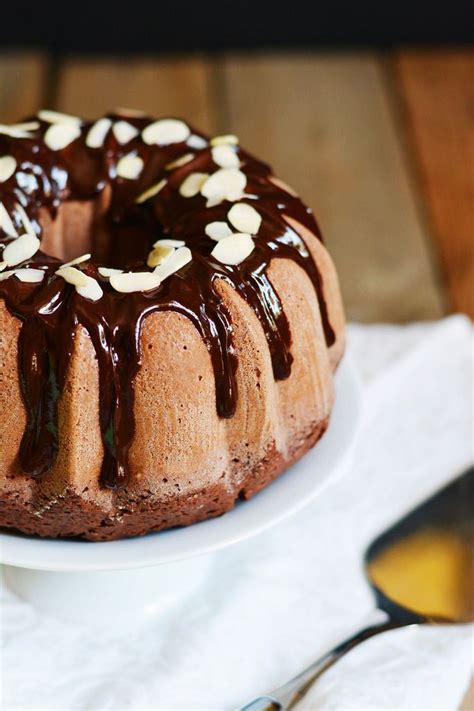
(52,312)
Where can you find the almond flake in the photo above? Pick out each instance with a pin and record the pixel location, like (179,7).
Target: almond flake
(7,167)
(212,202)
(192,185)
(19,130)
(130,167)
(98,132)
(176,243)
(158,255)
(225,184)
(228,139)
(151,192)
(72,276)
(6,223)
(31,276)
(60,135)
(57,117)
(135,281)
(234,249)
(175,261)
(197,142)
(77,260)
(107,272)
(5,275)
(180,161)
(165,131)
(85,285)
(25,220)
(26,126)
(91,290)
(124,132)
(244,218)
(225,156)
(217,230)
(21,249)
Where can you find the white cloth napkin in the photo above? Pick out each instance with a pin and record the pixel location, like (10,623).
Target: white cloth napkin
(274,603)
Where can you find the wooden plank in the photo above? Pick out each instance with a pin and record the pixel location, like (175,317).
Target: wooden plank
(174,87)
(437,93)
(325,123)
(23,84)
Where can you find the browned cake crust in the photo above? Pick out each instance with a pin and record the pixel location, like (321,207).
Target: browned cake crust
(73,516)
(186,461)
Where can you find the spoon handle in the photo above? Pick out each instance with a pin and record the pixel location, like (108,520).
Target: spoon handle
(287,696)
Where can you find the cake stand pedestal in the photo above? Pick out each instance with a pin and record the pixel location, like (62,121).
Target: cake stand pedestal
(93,596)
(78,580)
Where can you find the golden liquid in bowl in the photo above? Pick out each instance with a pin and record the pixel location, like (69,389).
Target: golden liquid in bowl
(430,571)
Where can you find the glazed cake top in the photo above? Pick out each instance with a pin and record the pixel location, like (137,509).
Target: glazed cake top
(181,211)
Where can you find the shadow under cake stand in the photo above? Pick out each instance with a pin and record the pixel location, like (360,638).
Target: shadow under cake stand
(79,580)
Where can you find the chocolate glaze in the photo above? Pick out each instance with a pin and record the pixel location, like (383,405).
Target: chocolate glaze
(51,312)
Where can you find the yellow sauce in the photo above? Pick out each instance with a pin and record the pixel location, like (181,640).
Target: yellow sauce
(430,572)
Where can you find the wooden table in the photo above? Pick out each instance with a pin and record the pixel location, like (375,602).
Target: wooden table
(380,145)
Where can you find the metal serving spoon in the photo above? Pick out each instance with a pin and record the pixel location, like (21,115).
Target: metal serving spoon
(420,571)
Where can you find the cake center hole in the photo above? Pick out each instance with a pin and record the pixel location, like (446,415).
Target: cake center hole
(118,240)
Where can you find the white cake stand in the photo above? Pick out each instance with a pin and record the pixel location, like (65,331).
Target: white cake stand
(79,580)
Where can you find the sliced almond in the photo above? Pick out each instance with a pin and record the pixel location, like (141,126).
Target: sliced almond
(176,243)
(60,135)
(73,276)
(21,249)
(31,276)
(98,132)
(151,192)
(91,290)
(130,167)
(197,142)
(244,218)
(225,156)
(19,130)
(176,261)
(159,254)
(77,260)
(86,286)
(234,249)
(227,139)
(5,275)
(182,160)
(216,200)
(124,132)
(217,230)
(57,117)
(25,220)
(192,185)
(165,131)
(26,126)
(130,282)
(6,223)
(107,272)
(225,184)
(7,167)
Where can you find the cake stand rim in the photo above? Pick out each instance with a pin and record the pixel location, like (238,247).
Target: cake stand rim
(283,498)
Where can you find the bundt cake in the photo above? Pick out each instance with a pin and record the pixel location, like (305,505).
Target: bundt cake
(188,361)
